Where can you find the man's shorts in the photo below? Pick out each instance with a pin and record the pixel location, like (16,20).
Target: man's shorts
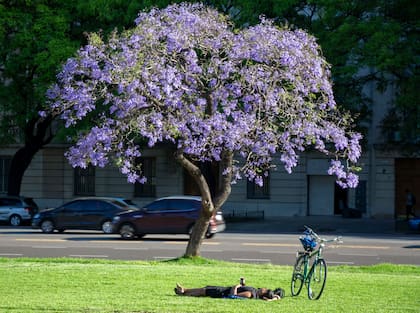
(217,291)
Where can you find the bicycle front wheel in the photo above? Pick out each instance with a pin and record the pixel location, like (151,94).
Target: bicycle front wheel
(316,279)
(298,275)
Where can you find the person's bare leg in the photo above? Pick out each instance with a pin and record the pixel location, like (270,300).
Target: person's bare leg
(192,292)
(195,292)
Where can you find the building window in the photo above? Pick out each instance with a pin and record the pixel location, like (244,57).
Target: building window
(4,173)
(257,192)
(84,181)
(148,189)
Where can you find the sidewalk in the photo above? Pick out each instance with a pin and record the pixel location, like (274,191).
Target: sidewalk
(323,224)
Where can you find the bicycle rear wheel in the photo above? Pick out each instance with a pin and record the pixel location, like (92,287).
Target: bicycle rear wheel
(316,279)
(298,275)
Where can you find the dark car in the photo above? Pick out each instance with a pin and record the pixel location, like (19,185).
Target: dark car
(169,215)
(91,213)
(17,209)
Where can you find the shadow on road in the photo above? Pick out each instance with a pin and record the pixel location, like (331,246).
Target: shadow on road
(412,247)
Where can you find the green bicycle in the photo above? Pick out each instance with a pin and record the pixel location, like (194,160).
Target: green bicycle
(313,276)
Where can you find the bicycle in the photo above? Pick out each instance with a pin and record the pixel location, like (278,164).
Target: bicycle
(315,276)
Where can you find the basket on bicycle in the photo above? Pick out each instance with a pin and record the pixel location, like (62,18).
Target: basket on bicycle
(308,242)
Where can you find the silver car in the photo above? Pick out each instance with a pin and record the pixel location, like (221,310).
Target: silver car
(17,209)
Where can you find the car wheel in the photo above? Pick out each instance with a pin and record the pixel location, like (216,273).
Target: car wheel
(15,220)
(209,235)
(107,227)
(47,226)
(127,231)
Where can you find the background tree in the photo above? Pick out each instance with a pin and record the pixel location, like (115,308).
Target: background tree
(185,76)
(36,37)
(28,63)
(367,42)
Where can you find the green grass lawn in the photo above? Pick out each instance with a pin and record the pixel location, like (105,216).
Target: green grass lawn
(88,286)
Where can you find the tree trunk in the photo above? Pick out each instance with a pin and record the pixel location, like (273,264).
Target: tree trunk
(35,138)
(20,162)
(200,227)
(198,233)
(207,206)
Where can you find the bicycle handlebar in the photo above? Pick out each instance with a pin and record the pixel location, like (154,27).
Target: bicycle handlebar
(338,239)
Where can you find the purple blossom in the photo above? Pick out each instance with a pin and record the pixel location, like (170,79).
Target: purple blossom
(184,75)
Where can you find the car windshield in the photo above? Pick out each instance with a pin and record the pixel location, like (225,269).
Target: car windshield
(129,202)
(123,203)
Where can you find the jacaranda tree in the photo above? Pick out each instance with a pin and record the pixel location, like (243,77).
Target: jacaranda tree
(184,75)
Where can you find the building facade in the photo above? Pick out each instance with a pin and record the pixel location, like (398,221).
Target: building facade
(309,190)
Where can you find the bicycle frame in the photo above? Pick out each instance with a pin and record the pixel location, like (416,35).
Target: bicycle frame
(314,274)
(314,256)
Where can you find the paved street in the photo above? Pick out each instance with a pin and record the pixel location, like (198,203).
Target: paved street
(322,224)
(232,245)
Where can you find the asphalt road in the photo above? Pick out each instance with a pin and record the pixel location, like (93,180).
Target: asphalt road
(236,247)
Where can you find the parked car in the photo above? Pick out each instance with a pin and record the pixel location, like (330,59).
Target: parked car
(90,213)
(169,215)
(414,223)
(17,209)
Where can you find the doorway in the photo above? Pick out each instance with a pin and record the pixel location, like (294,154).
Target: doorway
(325,196)
(407,176)
(340,199)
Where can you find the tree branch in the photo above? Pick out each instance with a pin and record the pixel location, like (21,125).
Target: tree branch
(196,174)
(225,190)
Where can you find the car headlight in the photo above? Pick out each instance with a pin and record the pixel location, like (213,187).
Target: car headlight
(219,217)
(37,215)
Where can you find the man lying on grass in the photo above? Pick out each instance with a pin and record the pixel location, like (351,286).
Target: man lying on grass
(237,291)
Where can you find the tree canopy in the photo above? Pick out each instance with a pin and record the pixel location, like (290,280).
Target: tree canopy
(185,75)
(36,37)
(367,42)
